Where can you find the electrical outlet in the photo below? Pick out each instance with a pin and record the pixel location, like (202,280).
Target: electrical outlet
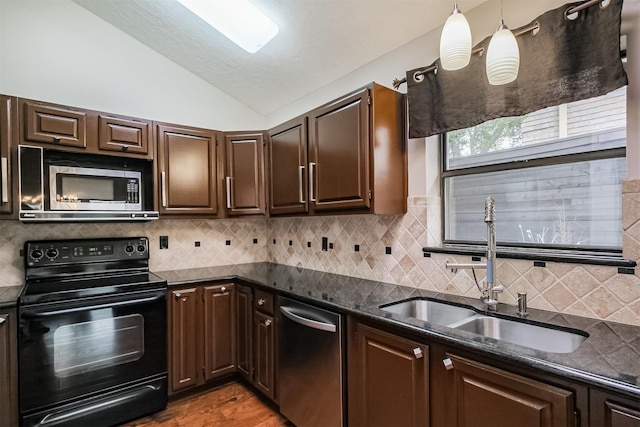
(325,243)
(164,242)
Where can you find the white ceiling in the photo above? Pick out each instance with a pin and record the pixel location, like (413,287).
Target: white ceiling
(319,41)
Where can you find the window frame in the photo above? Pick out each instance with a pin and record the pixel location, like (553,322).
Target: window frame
(543,252)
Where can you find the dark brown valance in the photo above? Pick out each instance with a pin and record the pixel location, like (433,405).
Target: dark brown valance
(567,60)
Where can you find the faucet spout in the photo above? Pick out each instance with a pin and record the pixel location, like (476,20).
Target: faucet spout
(490,291)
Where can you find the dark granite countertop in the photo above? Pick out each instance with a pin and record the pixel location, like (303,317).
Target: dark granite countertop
(9,296)
(608,358)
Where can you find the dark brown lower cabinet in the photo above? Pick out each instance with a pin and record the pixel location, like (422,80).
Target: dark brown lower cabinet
(202,334)
(244,327)
(608,410)
(388,379)
(482,395)
(219,331)
(8,368)
(264,353)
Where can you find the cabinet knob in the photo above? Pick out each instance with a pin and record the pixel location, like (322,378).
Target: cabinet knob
(417,352)
(448,364)
(223,289)
(125,147)
(178,295)
(267,322)
(261,301)
(3,319)
(56,139)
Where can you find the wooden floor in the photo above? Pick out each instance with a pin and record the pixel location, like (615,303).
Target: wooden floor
(232,405)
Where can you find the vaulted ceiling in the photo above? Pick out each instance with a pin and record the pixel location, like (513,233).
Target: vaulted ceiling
(319,41)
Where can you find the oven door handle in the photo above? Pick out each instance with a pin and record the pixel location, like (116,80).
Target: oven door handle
(45,314)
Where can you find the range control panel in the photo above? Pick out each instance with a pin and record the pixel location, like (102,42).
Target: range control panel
(80,251)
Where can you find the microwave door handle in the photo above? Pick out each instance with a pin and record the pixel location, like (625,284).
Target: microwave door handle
(163,184)
(4,166)
(32,315)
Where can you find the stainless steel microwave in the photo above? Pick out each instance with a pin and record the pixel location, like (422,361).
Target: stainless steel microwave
(62,186)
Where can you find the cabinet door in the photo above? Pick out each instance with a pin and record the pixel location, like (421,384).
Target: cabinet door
(183,338)
(7,123)
(478,394)
(609,410)
(339,154)
(54,124)
(264,353)
(219,331)
(391,380)
(244,308)
(8,369)
(189,170)
(124,135)
(245,190)
(288,168)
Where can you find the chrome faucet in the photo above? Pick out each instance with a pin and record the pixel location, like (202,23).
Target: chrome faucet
(489,291)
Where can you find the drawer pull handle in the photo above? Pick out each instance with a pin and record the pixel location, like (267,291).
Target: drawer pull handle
(267,323)
(300,178)
(228,182)
(448,364)
(417,352)
(223,289)
(312,167)
(163,183)
(261,301)
(4,165)
(56,139)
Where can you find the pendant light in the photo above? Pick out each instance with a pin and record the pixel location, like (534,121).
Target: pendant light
(503,55)
(455,41)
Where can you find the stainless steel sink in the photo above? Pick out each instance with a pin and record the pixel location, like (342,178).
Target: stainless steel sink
(434,312)
(524,334)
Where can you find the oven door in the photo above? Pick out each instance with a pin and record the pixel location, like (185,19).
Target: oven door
(85,349)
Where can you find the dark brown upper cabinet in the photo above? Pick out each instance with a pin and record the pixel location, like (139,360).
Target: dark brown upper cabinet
(127,135)
(54,125)
(8,117)
(76,129)
(357,154)
(189,170)
(287,153)
(244,180)
(347,156)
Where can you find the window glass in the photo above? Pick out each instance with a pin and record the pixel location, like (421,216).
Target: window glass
(555,175)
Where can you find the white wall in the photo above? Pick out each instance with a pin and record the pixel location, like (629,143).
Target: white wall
(56,51)
(422,51)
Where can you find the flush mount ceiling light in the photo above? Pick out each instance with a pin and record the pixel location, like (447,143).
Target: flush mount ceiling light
(503,56)
(455,41)
(239,20)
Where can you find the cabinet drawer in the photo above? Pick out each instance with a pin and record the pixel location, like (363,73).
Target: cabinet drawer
(263,302)
(54,125)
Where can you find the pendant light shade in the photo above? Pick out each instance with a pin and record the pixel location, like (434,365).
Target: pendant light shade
(503,57)
(455,41)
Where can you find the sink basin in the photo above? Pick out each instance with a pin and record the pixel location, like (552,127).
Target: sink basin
(437,313)
(542,338)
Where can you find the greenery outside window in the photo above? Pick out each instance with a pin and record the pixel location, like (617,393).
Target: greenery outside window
(555,175)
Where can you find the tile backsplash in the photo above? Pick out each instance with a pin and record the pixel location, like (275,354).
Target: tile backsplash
(386,248)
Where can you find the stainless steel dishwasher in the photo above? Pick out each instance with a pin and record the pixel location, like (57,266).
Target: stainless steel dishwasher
(310,374)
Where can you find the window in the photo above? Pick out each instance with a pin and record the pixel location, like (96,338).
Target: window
(555,176)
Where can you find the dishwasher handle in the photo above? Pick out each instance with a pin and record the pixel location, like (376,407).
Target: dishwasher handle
(311,323)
